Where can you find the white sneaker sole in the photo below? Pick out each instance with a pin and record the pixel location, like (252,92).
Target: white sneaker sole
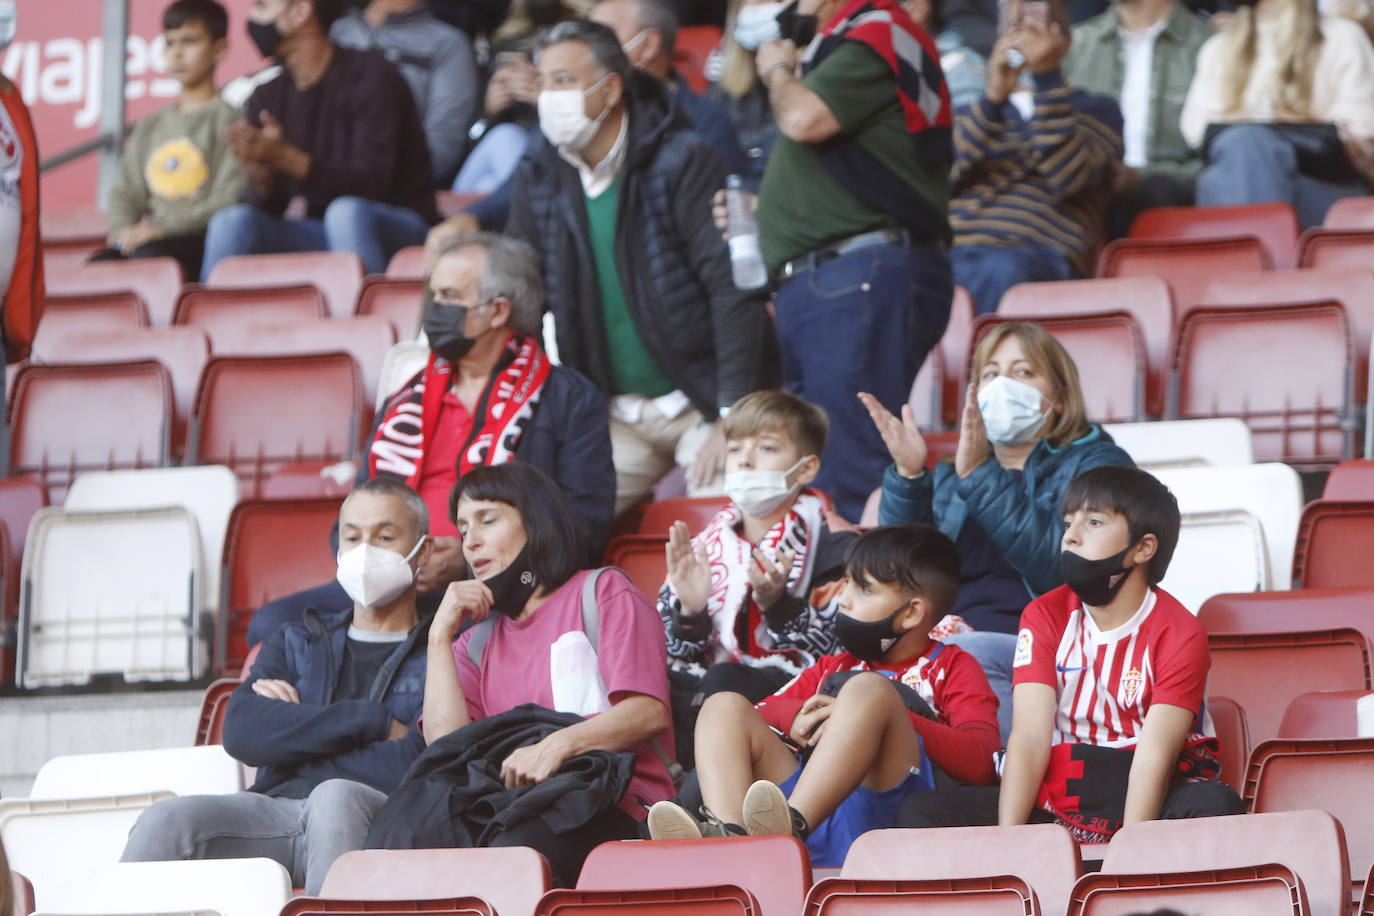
(668,821)
(765,810)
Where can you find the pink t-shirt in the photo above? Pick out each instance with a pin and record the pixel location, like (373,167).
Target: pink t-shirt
(520,655)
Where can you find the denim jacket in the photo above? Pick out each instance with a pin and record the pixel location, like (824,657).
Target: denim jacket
(1097,63)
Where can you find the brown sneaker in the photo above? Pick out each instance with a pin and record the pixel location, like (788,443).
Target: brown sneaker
(767,813)
(671,821)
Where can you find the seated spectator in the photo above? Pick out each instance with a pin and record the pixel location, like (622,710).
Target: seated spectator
(751,599)
(488,395)
(834,753)
(510,121)
(647,31)
(1022,439)
(1143,52)
(176,170)
(1279,64)
(965,70)
(1033,171)
(1110,724)
(327,714)
(616,200)
(338,127)
(521,542)
(435,59)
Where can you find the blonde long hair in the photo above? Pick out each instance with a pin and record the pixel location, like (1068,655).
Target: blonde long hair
(737,63)
(1297,45)
(1050,360)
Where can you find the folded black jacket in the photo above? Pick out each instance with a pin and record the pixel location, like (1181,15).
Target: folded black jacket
(453,795)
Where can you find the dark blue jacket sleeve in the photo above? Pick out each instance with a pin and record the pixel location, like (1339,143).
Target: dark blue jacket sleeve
(906,501)
(380,764)
(261,731)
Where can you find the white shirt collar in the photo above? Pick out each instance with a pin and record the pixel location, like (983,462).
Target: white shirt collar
(597,180)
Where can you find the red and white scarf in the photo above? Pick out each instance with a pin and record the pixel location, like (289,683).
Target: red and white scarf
(505,409)
(730,556)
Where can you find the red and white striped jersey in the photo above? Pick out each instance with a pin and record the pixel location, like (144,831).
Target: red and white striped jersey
(1105,682)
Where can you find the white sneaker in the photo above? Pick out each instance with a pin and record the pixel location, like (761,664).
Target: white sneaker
(669,821)
(766,811)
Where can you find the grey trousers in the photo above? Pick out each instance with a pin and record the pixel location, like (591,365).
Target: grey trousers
(305,835)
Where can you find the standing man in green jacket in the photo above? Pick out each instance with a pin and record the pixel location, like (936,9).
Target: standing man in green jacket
(1143,52)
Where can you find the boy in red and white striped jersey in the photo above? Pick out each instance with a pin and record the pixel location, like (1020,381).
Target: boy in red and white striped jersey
(1109,721)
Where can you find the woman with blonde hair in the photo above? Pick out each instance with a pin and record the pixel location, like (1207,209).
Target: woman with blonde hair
(1023,437)
(1282,106)
(737,88)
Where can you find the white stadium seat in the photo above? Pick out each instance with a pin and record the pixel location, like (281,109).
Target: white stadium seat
(206,770)
(231,887)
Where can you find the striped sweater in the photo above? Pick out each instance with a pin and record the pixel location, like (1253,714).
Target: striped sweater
(1046,180)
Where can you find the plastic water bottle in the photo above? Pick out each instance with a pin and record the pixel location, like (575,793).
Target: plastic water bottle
(746,262)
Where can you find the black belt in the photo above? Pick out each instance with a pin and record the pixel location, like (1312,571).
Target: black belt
(852,244)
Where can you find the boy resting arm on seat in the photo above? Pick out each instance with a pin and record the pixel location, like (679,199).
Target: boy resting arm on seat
(833,753)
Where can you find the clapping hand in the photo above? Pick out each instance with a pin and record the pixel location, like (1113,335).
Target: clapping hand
(903,439)
(689,572)
(973,435)
(768,578)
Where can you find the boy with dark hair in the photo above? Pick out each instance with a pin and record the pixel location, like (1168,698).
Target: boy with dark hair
(177,170)
(1109,723)
(833,753)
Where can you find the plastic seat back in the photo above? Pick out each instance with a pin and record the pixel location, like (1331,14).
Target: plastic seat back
(1241,841)
(1269,889)
(407,264)
(1187,266)
(225,310)
(775,869)
(511,879)
(156,281)
(1230,362)
(1336,248)
(1350,213)
(399,366)
(1233,733)
(337,274)
(1330,714)
(255,414)
(1350,481)
(641,557)
(1002,895)
(954,356)
(401,302)
(927,392)
(1044,856)
(714,900)
(1148,299)
(110,593)
(66,420)
(180,770)
(230,887)
(1219,551)
(1335,538)
(659,516)
(1274,224)
(1108,348)
(327,906)
(214,703)
(694,46)
(272,548)
(1219,443)
(86,315)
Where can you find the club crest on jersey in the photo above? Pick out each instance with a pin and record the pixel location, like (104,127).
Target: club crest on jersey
(1025,641)
(1131,682)
(10,150)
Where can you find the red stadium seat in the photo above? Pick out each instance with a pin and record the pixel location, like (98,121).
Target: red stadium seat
(1290,611)
(1335,540)
(955,355)
(407,264)
(1366,905)
(1237,363)
(91,313)
(328,906)
(1147,298)
(306,480)
(640,556)
(214,310)
(775,869)
(23,894)
(1326,714)
(1351,480)
(1274,224)
(1336,248)
(1353,289)
(257,413)
(697,513)
(337,274)
(511,879)
(1334,775)
(1108,348)
(716,900)
(213,704)
(1264,672)
(927,394)
(1233,733)
(1044,856)
(401,302)
(1002,895)
(1186,266)
(1240,841)
(1269,889)
(76,225)
(156,281)
(694,46)
(1350,213)
(65,420)
(272,548)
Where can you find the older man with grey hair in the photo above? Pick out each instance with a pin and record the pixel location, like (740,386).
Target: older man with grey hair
(488,394)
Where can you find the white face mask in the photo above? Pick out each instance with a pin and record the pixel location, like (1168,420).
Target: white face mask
(375,576)
(9,22)
(1011,411)
(760,493)
(757,24)
(563,117)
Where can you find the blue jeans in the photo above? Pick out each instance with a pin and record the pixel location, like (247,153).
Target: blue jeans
(861,322)
(1251,164)
(994,651)
(373,230)
(988,271)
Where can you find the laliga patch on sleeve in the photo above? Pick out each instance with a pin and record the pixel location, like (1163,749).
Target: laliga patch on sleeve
(1025,641)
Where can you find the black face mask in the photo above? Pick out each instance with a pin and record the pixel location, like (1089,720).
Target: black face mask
(1096,582)
(444,327)
(512,586)
(265,36)
(797,26)
(868,640)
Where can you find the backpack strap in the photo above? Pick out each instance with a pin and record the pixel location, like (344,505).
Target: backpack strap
(481,632)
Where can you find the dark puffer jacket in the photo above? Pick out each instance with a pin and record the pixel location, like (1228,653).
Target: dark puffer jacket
(706,335)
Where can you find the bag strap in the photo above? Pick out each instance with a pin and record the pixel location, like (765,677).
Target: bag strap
(481,632)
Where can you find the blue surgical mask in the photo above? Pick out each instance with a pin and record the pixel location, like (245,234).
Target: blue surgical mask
(757,24)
